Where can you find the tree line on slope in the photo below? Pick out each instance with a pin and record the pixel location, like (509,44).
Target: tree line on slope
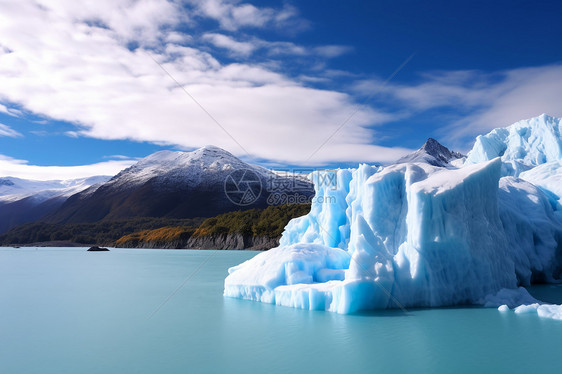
(268,222)
(99,233)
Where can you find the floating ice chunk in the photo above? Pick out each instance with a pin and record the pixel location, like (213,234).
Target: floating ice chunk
(551,311)
(522,303)
(528,308)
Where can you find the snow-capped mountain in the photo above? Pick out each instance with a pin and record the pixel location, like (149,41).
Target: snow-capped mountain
(433,153)
(24,200)
(413,234)
(204,165)
(202,183)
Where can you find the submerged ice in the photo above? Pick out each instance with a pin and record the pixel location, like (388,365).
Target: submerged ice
(415,234)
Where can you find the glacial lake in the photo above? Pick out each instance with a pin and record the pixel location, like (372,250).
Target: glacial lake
(65,310)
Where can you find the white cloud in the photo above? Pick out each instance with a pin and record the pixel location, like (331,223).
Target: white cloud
(137,20)
(8,131)
(21,169)
(120,157)
(10,111)
(247,47)
(233,15)
(4,109)
(520,94)
(227,42)
(63,65)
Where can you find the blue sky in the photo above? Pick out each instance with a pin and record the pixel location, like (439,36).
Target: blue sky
(88,88)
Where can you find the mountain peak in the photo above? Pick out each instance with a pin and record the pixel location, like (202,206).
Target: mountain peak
(207,163)
(433,153)
(171,159)
(213,148)
(432,145)
(211,151)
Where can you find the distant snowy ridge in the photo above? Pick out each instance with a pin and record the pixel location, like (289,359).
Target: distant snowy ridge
(13,189)
(421,233)
(23,201)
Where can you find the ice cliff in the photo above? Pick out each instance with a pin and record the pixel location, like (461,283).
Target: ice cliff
(417,234)
(521,146)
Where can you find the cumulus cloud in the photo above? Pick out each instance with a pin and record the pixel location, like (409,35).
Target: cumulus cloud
(22,169)
(8,131)
(74,63)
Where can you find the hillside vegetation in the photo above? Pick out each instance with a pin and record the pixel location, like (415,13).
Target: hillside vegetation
(163,237)
(265,223)
(99,233)
(268,222)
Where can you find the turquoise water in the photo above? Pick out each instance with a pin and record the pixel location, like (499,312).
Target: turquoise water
(72,311)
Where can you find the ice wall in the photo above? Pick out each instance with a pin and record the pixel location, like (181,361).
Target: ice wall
(413,235)
(407,235)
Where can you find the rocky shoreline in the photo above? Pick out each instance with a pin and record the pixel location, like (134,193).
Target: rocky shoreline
(221,242)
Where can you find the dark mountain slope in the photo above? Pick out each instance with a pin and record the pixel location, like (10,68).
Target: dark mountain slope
(202,183)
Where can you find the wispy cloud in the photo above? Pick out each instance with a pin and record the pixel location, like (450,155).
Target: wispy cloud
(121,157)
(8,131)
(480,101)
(22,169)
(331,51)
(249,45)
(233,15)
(10,111)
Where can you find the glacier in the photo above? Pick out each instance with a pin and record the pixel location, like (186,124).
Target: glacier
(422,234)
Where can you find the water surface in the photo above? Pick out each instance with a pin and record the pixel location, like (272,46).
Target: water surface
(65,310)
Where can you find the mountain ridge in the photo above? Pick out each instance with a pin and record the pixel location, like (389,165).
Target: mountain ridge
(25,200)
(179,184)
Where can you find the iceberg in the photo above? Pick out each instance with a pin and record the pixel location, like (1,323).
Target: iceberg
(421,234)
